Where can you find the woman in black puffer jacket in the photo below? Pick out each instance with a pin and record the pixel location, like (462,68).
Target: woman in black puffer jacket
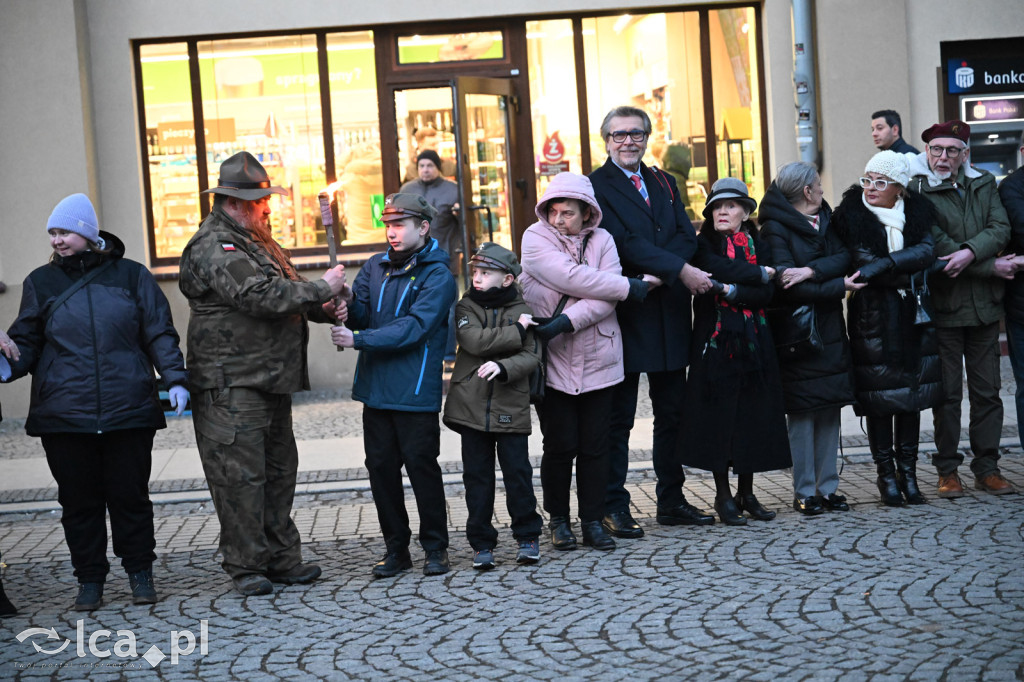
(95,402)
(811,263)
(896,362)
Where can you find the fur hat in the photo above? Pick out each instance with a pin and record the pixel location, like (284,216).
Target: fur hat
(431,156)
(954,128)
(890,164)
(75,213)
(243,177)
(729,188)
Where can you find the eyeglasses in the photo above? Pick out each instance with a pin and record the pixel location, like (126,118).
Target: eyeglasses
(878,184)
(619,136)
(951,152)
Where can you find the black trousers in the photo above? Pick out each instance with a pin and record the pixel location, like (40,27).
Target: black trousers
(393,439)
(667,392)
(97,472)
(575,427)
(478,449)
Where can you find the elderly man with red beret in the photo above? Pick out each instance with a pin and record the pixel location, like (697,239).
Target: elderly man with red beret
(967,293)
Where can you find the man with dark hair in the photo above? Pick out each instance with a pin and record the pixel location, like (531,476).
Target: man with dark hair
(1011,192)
(644,212)
(887,132)
(247,337)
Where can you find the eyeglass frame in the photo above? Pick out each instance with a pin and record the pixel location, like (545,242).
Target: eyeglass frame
(873,182)
(951,152)
(636,135)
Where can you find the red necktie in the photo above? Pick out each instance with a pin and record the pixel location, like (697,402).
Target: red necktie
(639,187)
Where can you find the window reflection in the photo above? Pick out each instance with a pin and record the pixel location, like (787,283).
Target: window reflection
(450,47)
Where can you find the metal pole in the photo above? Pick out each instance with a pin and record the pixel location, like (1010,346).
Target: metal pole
(805,85)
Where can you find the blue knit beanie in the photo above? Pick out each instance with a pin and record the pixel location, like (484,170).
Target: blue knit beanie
(75,214)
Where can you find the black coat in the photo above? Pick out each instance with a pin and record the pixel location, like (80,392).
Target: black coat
(92,361)
(823,380)
(658,240)
(732,412)
(896,363)
(1011,193)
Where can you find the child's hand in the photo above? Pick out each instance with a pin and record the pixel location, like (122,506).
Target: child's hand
(526,320)
(342,337)
(489,370)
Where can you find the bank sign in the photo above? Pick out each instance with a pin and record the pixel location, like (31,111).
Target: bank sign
(984,75)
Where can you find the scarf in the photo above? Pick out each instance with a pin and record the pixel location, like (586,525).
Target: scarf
(892,219)
(919,166)
(495,297)
(737,327)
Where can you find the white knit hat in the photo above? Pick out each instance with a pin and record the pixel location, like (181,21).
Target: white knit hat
(890,164)
(75,214)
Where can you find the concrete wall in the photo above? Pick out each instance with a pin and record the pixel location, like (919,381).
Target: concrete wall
(70,123)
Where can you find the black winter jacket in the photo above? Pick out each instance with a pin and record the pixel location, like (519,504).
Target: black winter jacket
(896,363)
(1011,193)
(92,361)
(823,380)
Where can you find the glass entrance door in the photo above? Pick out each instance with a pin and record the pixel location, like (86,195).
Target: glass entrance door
(483,107)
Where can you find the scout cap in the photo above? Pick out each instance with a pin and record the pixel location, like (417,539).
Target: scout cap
(404,205)
(496,257)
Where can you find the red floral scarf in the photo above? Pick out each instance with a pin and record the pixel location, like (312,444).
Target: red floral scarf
(737,327)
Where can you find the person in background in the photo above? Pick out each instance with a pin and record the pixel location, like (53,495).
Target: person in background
(733,414)
(397,314)
(247,336)
(897,373)
(967,294)
(8,350)
(811,262)
(92,327)
(887,132)
(567,255)
(1011,193)
(488,403)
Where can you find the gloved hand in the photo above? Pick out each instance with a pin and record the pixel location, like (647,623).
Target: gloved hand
(557,325)
(638,289)
(178,398)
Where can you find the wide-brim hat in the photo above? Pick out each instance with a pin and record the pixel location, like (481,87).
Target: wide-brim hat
(728,188)
(243,177)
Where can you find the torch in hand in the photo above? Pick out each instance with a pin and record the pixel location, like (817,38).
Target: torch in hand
(332,246)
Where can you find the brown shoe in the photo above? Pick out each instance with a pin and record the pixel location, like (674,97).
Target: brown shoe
(994,484)
(950,485)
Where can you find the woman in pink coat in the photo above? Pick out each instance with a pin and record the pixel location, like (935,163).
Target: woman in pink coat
(566,254)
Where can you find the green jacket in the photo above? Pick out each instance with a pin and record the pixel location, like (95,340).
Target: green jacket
(977,221)
(503,404)
(248,321)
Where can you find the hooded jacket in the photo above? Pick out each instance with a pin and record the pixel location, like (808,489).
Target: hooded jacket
(895,362)
(92,361)
(589,358)
(399,316)
(823,380)
(501,405)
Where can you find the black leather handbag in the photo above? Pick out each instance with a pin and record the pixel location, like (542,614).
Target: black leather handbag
(923,297)
(795,332)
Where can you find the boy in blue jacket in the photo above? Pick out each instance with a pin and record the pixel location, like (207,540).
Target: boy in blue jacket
(396,314)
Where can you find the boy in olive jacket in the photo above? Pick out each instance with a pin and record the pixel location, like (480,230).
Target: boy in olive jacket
(489,402)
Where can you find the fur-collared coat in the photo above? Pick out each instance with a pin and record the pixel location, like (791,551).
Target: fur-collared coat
(896,363)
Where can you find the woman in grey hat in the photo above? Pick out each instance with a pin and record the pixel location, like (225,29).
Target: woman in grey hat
(732,413)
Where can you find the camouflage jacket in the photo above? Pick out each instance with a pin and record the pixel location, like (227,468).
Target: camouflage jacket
(248,321)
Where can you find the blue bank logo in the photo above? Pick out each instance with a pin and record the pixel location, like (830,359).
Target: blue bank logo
(961,76)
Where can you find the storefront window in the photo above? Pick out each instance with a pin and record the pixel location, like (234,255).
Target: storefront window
(450,47)
(170,135)
(553,99)
(360,195)
(266,92)
(736,96)
(651,61)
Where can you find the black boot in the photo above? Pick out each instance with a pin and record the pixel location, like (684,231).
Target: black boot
(562,536)
(908,430)
(880,441)
(594,535)
(6,607)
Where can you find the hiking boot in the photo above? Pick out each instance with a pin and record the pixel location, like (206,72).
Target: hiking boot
(143,590)
(392,564)
(299,574)
(252,585)
(993,484)
(90,597)
(436,562)
(950,486)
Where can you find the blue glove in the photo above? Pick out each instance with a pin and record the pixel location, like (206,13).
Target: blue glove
(178,398)
(557,325)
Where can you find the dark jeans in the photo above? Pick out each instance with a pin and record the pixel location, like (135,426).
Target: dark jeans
(977,348)
(575,427)
(1015,343)
(666,391)
(393,439)
(478,448)
(97,472)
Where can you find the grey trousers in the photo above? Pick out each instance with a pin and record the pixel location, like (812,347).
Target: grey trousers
(814,441)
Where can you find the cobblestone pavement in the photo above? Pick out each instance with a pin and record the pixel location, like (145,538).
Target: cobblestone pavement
(927,593)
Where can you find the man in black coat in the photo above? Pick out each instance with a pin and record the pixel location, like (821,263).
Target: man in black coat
(1011,193)
(887,132)
(645,213)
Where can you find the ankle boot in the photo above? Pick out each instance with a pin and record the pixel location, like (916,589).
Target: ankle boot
(887,486)
(880,441)
(562,536)
(594,535)
(907,438)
